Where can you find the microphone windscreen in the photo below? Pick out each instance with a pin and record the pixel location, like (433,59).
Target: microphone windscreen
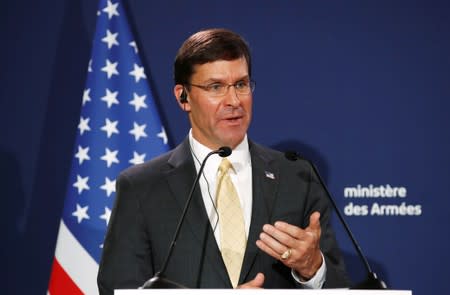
(224,151)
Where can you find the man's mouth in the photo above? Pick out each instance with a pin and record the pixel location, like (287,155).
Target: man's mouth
(234,119)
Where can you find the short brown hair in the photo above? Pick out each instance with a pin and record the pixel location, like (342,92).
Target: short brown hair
(208,46)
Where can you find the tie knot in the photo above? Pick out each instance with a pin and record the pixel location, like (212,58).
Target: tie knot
(224,166)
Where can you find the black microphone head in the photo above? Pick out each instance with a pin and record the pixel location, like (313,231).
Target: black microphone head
(224,151)
(291,155)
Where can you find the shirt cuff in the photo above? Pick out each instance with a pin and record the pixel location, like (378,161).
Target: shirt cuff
(316,282)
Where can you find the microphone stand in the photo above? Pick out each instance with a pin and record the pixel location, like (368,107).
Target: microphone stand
(372,281)
(158,281)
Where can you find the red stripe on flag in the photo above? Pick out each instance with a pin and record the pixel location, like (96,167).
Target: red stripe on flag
(60,281)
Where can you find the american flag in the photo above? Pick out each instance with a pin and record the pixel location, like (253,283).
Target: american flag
(119,126)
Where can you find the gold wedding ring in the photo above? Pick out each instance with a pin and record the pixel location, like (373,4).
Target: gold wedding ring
(286,254)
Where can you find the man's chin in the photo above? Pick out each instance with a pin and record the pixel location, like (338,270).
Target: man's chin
(234,140)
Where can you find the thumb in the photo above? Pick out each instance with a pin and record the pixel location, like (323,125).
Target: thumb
(259,279)
(314,221)
(256,283)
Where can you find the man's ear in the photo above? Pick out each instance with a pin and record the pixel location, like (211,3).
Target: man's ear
(182,97)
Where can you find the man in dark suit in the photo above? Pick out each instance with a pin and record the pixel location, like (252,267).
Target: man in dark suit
(283,213)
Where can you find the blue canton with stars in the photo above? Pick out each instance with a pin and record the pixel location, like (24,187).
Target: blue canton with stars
(119,127)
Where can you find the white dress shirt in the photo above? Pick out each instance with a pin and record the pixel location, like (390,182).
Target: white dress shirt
(241,176)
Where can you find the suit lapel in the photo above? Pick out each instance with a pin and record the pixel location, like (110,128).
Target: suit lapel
(265,184)
(180,178)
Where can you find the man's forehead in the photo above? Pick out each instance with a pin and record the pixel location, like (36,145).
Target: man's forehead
(222,69)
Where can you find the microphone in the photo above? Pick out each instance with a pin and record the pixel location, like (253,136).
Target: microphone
(158,281)
(372,281)
(224,151)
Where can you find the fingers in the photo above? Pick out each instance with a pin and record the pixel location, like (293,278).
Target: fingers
(268,249)
(256,283)
(294,231)
(302,245)
(278,238)
(288,235)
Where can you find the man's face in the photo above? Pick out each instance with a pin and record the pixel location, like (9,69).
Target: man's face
(219,121)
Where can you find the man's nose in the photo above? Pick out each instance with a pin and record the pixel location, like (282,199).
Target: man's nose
(231,97)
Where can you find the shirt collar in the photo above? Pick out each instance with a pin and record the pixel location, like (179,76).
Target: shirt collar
(239,158)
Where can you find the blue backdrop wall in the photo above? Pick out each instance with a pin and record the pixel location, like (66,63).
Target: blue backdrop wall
(360,87)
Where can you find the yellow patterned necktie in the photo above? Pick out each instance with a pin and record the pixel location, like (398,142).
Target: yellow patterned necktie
(231,219)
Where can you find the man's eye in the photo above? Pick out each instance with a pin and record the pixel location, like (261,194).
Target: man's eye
(241,85)
(215,87)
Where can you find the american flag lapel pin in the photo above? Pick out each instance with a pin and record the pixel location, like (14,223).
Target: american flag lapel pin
(269,174)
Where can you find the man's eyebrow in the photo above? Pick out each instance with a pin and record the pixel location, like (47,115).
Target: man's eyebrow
(220,80)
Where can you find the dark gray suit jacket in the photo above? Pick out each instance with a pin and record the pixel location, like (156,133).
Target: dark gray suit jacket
(149,201)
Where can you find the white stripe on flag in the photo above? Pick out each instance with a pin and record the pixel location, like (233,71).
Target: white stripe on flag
(76,261)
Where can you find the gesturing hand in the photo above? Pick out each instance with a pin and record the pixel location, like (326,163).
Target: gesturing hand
(295,247)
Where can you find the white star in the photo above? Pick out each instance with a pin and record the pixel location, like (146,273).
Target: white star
(90,66)
(106,215)
(138,73)
(110,98)
(110,127)
(81,213)
(111,9)
(81,183)
(133,44)
(86,96)
(82,154)
(162,135)
(110,68)
(138,131)
(137,159)
(110,39)
(138,101)
(110,157)
(109,186)
(84,125)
